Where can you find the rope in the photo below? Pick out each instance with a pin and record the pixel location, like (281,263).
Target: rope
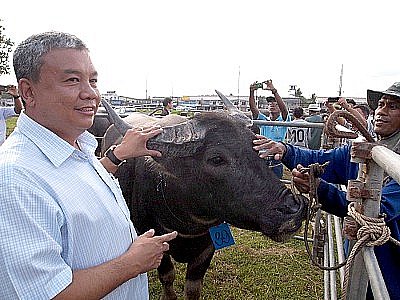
(315,171)
(373,232)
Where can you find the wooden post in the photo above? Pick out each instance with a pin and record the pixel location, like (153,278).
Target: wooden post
(369,199)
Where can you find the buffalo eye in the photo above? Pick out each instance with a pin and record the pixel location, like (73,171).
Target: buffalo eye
(216,161)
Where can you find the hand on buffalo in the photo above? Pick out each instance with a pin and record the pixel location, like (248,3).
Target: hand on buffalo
(301,179)
(267,147)
(146,251)
(134,143)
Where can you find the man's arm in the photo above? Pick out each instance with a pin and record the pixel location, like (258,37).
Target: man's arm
(252,102)
(133,145)
(278,98)
(144,255)
(13,91)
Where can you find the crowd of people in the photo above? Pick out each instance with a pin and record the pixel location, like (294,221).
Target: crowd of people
(303,136)
(64,225)
(386,107)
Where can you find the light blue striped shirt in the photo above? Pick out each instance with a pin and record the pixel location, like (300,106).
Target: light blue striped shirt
(60,211)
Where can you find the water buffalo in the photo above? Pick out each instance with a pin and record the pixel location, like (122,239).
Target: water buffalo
(99,128)
(208,174)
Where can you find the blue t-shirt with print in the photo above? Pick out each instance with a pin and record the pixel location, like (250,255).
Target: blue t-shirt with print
(275,133)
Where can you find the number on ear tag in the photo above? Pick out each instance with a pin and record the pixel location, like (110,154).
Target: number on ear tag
(221,236)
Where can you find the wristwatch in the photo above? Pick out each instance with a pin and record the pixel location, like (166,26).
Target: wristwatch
(111,156)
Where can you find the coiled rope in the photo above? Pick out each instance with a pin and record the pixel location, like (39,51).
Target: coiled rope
(372,231)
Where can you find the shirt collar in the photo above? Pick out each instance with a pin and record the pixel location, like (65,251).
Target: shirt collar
(53,147)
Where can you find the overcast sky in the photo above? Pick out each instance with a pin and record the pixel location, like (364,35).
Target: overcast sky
(183,47)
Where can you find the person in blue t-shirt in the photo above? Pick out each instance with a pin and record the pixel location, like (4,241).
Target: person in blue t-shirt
(277,112)
(340,169)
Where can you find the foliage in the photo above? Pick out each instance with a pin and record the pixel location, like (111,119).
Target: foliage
(11,123)
(254,268)
(5,50)
(298,93)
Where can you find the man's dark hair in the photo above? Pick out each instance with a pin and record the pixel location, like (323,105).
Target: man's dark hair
(270,99)
(28,56)
(166,101)
(298,112)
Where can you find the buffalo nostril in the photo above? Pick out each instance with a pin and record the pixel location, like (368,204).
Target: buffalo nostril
(290,205)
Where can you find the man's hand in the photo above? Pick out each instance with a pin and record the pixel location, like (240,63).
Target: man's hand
(13,91)
(147,250)
(301,179)
(269,85)
(253,86)
(134,143)
(267,147)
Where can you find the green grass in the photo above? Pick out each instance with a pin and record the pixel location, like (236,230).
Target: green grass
(254,268)
(11,122)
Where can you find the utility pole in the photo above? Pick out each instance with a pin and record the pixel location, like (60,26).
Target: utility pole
(146,87)
(238,83)
(341,82)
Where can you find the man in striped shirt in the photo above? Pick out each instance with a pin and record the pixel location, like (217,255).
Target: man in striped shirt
(65,230)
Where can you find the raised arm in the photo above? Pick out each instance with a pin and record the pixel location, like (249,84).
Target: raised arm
(278,98)
(13,91)
(252,102)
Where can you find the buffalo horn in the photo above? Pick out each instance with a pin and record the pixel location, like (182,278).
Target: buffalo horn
(120,124)
(176,134)
(234,111)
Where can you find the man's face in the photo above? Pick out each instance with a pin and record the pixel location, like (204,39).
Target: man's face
(273,108)
(65,98)
(387,116)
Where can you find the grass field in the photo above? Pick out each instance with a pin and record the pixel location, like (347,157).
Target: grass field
(255,268)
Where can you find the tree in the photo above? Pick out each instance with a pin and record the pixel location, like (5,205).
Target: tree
(298,93)
(5,50)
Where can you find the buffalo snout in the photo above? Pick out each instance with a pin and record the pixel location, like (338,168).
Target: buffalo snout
(293,205)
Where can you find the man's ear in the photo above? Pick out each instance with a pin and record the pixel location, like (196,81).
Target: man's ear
(26,90)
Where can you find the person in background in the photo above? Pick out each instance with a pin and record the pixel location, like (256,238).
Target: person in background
(365,111)
(65,229)
(340,169)
(315,133)
(298,136)
(348,105)
(351,102)
(167,106)
(8,112)
(277,112)
(332,104)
